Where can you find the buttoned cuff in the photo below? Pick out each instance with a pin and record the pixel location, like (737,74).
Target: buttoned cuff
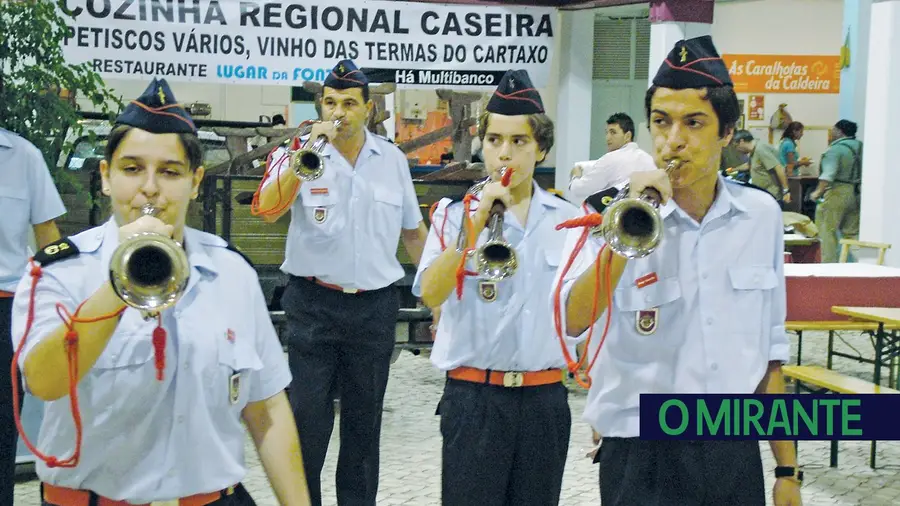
(780,349)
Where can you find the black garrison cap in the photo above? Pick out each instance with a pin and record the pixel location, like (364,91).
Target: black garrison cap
(157,111)
(693,63)
(345,75)
(515,95)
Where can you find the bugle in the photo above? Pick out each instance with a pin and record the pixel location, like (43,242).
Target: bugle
(149,271)
(307,162)
(495,259)
(633,226)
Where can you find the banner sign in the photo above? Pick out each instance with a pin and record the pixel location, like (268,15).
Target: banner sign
(287,43)
(759,417)
(767,73)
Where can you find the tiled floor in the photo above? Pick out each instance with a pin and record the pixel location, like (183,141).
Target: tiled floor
(410,455)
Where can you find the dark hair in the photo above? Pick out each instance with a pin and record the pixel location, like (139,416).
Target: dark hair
(624,121)
(742,136)
(191,143)
(278,120)
(541,129)
(791,131)
(723,100)
(847,127)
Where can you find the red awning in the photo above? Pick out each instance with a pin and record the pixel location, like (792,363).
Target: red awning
(562,4)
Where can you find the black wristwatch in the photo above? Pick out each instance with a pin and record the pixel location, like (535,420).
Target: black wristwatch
(789,472)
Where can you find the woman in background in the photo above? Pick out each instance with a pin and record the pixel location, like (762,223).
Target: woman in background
(790,158)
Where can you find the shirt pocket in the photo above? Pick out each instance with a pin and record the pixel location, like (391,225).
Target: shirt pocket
(319,205)
(238,362)
(123,380)
(386,216)
(644,318)
(14,205)
(750,285)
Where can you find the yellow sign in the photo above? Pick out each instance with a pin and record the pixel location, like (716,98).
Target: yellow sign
(768,73)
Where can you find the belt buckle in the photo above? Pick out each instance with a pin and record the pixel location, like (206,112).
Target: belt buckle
(173,502)
(513,379)
(350,290)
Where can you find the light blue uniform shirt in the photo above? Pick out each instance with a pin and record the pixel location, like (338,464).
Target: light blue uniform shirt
(515,332)
(345,226)
(720,309)
(27,197)
(146,440)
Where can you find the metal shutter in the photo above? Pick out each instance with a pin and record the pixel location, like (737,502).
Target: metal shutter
(621,48)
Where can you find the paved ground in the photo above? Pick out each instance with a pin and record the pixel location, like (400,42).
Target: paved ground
(411,448)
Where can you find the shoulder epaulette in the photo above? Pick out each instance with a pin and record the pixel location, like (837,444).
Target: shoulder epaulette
(56,251)
(600,200)
(750,185)
(231,247)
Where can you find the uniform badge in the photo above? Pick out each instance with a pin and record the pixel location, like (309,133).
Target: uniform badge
(646,321)
(487,290)
(234,387)
(318,191)
(320,214)
(230,336)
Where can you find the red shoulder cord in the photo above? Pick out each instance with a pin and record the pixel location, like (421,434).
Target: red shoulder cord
(588,221)
(282,204)
(469,226)
(71,344)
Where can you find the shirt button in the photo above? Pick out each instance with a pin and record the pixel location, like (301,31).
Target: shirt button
(709,321)
(756,279)
(705,275)
(714,367)
(180,419)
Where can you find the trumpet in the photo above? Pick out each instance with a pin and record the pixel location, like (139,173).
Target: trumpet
(149,271)
(307,162)
(632,226)
(495,259)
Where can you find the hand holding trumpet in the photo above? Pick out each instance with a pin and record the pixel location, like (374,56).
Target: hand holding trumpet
(329,129)
(654,180)
(146,223)
(491,193)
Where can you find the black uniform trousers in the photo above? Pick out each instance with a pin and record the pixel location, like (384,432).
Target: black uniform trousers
(8,433)
(341,340)
(503,446)
(680,473)
(240,497)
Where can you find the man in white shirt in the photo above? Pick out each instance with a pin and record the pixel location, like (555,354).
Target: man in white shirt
(623,157)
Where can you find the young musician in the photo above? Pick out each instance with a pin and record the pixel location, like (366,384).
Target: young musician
(505,418)
(703,313)
(340,300)
(161,424)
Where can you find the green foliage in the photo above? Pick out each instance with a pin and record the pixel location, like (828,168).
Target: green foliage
(33,71)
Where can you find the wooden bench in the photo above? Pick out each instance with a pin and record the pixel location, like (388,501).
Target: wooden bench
(827,380)
(846,244)
(832,326)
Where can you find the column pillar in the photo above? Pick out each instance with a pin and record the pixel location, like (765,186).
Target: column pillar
(670,22)
(674,20)
(852,99)
(881,180)
(573,107)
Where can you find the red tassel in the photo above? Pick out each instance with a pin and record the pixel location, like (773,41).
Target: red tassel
(159,347)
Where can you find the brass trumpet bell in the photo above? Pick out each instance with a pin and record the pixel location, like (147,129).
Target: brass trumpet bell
(149,272)
(632,227)
(307,162)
